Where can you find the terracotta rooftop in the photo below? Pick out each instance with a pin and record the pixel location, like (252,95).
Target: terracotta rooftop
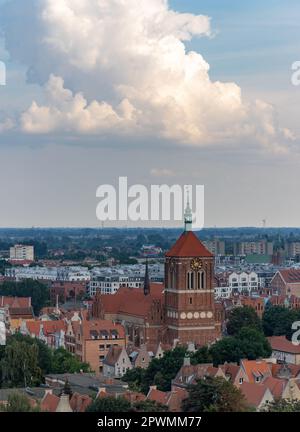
(96,328)
(79,403)
(256,368)
(132,301)
(15,302)
(158,396)
(113,355)
(280,343)
(188,245)
(276,386)
(49,403)
(49,327)
(253,393)
(290,275)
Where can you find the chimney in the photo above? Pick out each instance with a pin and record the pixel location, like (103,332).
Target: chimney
(154,387)
(187,361)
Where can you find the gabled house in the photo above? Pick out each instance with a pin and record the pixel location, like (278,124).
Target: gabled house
(256,370)
(116,362)
(140,357)
(257,396)
(284,350)
(189,374)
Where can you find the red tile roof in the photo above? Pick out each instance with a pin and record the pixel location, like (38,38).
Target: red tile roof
(15,302)
(188,245)
(280,343)
(79,403)
(49,327)
(256,368)
(94,327)
(49,403)
(290,275)
(253,393)
(276,386)
(158,396)
(132,301)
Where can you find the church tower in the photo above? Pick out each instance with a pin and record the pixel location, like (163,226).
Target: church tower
(189,290)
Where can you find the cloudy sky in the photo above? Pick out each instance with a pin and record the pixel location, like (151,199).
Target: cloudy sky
(187,92)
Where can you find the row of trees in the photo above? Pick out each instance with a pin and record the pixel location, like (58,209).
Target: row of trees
(25,361)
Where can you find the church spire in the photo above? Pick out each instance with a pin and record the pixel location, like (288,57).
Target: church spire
(188,215)
(147,280)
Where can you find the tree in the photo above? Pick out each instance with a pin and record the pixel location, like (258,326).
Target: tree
(253,344)
(283,405)
(243,317)
(134,378)
(109,404)
(248,343)
(214,395)
(19,365)
(227,349)
(278,320)
(18,403)
(63,361)
(202,355)
(161,371)
(45,354)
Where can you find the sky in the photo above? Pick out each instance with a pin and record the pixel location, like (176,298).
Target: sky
(178,92)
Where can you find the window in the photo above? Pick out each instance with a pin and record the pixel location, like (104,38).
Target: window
(191,300)
(241,380)
(190,280)
(101,347)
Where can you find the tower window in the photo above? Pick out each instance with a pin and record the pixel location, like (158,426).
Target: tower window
(191,300)
(190,280)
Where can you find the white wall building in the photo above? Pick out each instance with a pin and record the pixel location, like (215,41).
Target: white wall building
(237,282)
(22,253)
(69,274)
(108,280)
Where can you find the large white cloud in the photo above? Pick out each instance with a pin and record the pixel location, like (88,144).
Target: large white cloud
(122,66)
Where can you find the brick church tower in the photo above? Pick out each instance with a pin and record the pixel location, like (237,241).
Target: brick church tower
(189,290)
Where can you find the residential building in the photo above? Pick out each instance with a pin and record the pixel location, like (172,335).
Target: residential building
(108,280)
(258,247)
(94,338)
(116,362)
(257,396)
(21,253)
(216,246)
(284,351)
(286,282)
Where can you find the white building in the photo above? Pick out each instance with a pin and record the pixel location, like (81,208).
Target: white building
(108,280)
(22,253)
(69,274)
(236,282)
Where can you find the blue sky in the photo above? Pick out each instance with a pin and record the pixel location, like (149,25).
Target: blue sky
(253,45)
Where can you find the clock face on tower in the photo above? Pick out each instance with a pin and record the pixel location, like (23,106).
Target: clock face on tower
(196,264)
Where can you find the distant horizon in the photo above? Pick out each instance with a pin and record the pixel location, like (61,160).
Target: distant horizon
(145,228)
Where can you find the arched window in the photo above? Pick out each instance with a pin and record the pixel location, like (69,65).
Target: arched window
(190,280)
(200,280)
